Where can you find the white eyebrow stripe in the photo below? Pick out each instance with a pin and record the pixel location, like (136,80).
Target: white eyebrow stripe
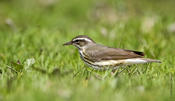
(82,39)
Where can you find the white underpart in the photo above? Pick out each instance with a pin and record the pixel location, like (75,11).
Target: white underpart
(83,39)
(135,61)
(125,62)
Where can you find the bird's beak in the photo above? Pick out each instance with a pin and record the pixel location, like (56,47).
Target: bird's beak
(67,43)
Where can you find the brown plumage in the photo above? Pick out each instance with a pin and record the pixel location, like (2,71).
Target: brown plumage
(100,57)
(99,52)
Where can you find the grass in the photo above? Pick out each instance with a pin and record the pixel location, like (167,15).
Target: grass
(34,66)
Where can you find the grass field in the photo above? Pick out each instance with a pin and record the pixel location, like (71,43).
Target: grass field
(34,66)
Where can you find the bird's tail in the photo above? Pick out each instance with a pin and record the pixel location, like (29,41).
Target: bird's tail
(151,60)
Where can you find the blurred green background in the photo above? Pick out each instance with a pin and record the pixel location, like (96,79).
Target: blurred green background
(34,66)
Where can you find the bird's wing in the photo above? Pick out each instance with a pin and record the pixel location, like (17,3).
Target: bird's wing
(98,53)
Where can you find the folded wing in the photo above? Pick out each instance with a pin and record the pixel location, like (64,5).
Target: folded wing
(99,53)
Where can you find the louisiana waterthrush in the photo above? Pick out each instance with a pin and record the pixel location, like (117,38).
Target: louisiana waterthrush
(102,57)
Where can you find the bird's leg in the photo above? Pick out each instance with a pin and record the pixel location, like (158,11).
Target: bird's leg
(114,71)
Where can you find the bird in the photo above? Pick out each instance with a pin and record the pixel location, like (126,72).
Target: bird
(101,57)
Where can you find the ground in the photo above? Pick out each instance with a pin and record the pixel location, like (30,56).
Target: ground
(35,66)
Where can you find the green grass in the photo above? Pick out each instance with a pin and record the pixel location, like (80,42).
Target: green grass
(34,30)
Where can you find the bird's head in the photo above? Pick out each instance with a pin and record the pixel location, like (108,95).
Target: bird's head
(80,41)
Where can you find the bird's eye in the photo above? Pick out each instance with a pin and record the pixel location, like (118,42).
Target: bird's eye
(76,41)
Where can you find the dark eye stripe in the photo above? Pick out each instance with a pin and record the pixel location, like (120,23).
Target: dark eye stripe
(78,40)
